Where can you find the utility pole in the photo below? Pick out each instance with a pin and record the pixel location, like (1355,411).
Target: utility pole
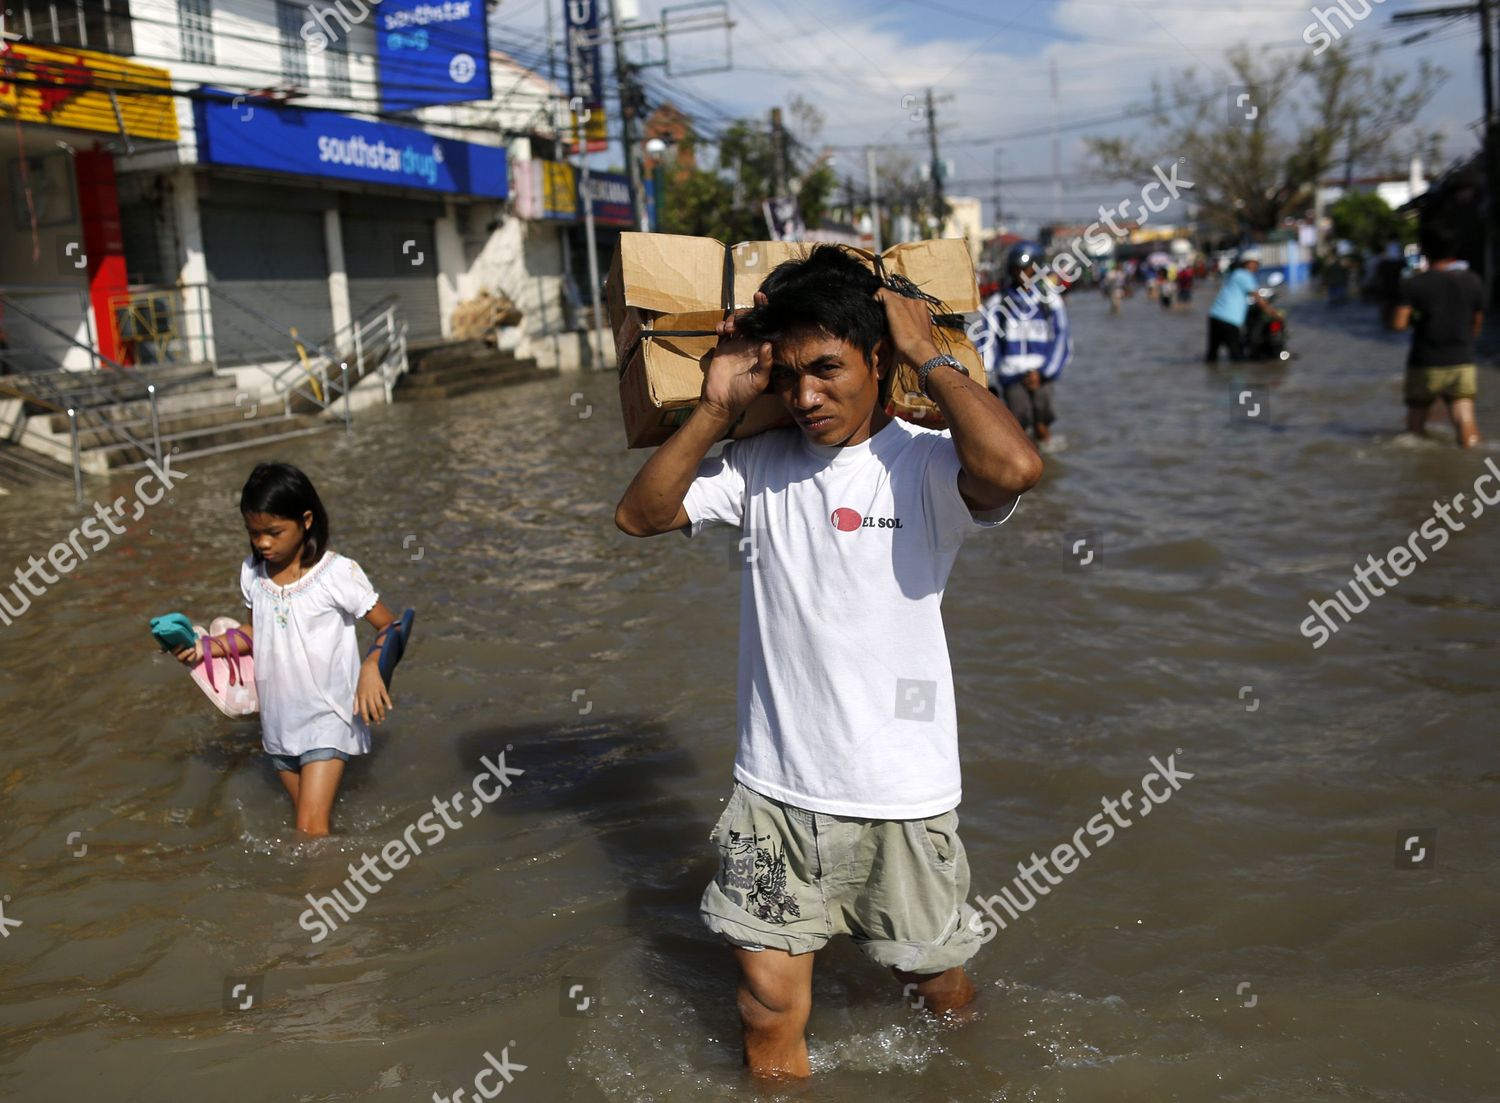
(778,154)
(1056,153)
(630,101)
(999,218)
(939,203)
(1485,10)
(874,198)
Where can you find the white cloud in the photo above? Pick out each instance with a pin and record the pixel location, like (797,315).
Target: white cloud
(866,67)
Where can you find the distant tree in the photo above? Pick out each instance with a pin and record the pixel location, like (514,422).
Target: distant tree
(1311,115)
(728,204)
(1367,221)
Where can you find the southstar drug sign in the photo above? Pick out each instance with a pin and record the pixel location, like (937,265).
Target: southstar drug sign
(235,130)
(432,51)
(406,161)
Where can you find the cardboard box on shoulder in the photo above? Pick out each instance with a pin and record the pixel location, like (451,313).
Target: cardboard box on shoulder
(666,282)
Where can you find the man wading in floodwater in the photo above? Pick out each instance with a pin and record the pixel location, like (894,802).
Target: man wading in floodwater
(842,818)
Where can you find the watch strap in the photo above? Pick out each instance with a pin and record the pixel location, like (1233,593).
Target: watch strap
(926,369)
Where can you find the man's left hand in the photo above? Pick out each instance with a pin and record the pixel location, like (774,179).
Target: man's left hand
(910,324)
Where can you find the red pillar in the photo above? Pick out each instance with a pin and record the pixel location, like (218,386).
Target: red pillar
(99,210)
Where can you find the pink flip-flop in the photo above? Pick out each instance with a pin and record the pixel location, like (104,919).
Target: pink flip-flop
(228,683)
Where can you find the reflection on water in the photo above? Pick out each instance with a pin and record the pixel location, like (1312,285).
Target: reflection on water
(1253,940)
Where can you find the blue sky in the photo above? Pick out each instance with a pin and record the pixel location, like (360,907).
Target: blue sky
(866,66)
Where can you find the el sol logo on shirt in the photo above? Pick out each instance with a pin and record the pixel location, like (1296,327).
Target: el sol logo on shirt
(846,520)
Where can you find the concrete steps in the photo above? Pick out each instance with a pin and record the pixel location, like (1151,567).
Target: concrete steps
(84,390)
(202,448)
(453,369)
(22,468)
(188,396)
(199,413)
(210,439)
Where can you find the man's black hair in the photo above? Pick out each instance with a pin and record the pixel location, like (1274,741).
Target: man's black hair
(828,290)
(282,490)
(1439,242)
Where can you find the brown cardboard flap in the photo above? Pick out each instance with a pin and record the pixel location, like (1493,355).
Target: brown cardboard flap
(750,262)
(668,273)
(673,274)
(638,323)
(670,282)
(675,365)
(907,400)
(660,387)
(943,269)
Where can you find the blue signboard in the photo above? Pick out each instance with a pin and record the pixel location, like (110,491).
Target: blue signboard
(236,130)
(611,195)
(584,70)
(432,51)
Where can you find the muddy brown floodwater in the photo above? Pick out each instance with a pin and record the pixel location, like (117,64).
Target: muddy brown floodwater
(1261,937)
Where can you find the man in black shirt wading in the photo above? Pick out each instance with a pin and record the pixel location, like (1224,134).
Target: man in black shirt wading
(1449,305)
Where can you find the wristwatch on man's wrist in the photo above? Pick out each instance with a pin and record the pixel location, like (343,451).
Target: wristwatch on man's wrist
(926,369)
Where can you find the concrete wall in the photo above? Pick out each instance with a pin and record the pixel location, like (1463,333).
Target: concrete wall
(39,270)
(525,261)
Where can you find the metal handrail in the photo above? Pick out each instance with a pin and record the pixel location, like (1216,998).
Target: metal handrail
(56,398)
(220,321)
(377,336)
(11,304)
(359,329)
(79,309)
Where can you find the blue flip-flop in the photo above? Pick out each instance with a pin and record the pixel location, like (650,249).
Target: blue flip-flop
(394,645)
(173,631)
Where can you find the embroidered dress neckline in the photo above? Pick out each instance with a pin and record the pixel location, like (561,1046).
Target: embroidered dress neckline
(293,588)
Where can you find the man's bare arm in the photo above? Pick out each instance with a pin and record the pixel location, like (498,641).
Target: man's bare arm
(652,503)
(737,375)
(999,462)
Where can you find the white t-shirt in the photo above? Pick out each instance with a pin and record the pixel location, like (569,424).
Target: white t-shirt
(307,655)
(845,691)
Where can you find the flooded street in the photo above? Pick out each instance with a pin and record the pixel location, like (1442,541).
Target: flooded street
(1255,939)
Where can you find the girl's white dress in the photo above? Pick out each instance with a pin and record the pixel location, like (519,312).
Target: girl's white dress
(307,655)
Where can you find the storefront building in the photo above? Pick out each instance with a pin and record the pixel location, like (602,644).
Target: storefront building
(256,188)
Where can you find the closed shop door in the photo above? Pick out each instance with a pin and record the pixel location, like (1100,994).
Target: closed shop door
(271,269)
(393,254)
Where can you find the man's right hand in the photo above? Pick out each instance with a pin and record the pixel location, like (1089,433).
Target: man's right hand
(739,371)
(1033,380)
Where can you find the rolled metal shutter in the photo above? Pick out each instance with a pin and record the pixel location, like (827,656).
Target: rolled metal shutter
(393,253)
(273,262)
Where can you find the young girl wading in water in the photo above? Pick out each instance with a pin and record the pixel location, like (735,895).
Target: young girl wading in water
(317,698)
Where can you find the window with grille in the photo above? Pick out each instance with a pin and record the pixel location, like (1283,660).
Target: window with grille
(196,17)
(89,24)
(337,60)
(289,20)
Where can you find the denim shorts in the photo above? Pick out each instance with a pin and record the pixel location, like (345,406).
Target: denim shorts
(791,879)
(294,765)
